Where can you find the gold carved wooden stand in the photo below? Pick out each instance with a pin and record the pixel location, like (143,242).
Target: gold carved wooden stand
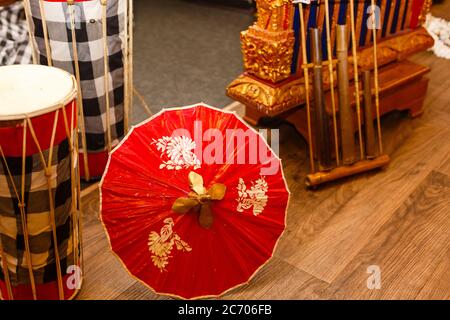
(269,88)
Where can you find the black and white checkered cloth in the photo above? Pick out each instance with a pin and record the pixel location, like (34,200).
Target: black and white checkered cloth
(37,208)
(88,20)
(14,44)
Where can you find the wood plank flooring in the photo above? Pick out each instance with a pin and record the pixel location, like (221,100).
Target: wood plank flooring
(397,219)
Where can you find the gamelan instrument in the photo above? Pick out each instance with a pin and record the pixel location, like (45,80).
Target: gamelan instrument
(370,137)
(40,237)
(322,127)
(278,64)
(274,57)
(345,111)
(91,39)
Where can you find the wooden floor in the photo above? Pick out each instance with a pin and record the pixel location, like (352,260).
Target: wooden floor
(397,219)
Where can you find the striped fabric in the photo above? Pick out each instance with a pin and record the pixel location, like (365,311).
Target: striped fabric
(37,206)
(88,20)
(14,46)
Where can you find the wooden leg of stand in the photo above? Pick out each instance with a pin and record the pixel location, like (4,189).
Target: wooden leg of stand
(253,116)
(409,97)
(417,106)
(297,117)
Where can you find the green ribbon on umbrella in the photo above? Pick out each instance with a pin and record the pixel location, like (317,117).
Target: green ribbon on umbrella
(199,199)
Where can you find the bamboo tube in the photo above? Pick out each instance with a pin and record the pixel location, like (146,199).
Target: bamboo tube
(45,30)
(371,144)
(330,71)
(76,177)
(356,76)
(23,213)
(307,89)
(69,132)
(106,75)
(78,196)
(126,118)
(322,131)
(319,178)
(345,112)
(27,9)
(142,101)
(131,57)
(79,91)
(377,88)
(80,221)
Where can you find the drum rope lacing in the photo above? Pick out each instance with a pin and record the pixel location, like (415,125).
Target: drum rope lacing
(27,123)
(45,30)
(104,4)
(21,206)
(80,97)
(48,165)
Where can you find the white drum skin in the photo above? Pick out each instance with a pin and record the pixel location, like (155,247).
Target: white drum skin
(33,90)
(39,146)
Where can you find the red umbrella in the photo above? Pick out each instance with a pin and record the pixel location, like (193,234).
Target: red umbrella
(194,202)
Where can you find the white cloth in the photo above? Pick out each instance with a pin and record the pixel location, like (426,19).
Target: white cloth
(439,29)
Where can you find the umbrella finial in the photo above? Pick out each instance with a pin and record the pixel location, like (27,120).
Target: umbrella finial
(200,199)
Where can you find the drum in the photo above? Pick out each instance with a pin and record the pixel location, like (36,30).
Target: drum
(40,236)
(90,40)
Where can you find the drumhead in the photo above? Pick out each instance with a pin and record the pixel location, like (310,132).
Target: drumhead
(33,90)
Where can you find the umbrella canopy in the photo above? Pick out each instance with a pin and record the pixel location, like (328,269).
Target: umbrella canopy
(194,202)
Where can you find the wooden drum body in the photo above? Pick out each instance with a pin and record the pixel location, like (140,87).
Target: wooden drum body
(40,236)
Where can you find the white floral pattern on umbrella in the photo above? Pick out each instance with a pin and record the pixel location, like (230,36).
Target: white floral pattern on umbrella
(178,153)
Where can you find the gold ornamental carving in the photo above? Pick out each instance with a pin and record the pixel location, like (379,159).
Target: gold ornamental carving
(268,99)
(268,55)
(425,10)
(267,84)
(267,46)
(396,48)
(272,4)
